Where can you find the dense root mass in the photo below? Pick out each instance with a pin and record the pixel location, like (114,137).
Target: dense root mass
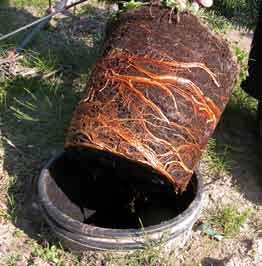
(156,96)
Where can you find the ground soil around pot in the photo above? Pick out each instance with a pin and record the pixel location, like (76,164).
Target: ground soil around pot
(24,238)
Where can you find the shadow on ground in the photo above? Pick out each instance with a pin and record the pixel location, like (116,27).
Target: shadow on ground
(36,111)
(239,13)
(237,142)
(68,44)
(213,262)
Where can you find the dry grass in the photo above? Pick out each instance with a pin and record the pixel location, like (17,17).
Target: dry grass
(35,113)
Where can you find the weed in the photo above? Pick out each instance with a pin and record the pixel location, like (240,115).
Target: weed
(218,157)
(242,59)
(217,22)
(40,5)
(12,260)
(152,254)
(50,254)
(12,207)
(3,94)
(86,9)
(44,64)
(228,220)
(4,215)
(239,97)
(10,213)
(132,4)
(241,13)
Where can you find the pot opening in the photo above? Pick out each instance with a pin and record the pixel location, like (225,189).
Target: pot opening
(105,190)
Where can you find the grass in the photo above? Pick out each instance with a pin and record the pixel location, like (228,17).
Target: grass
(228,14)
(148,257)
(4,214)
(241,13)
(218,157)
(228,220)
(35,113)
(218,23)
(48,253)
(40,6)
(132,4)
(153,254)
(239,97)
(13,260)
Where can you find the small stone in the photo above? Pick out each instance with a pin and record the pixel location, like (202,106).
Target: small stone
(257,246)
(39,261)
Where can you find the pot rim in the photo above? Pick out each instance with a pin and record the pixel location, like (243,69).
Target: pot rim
(61,219)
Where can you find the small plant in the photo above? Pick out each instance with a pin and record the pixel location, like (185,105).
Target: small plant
(3,94)
(242,59)
(217,157)
(49,253)
(179,5)
(153,254)
(13,260)
(240,97)
(240,12)
(132,4)
(218,23)
(4,215)
(228,221)
(12,207)
(44,64)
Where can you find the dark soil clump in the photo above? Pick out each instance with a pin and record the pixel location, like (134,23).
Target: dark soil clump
(157,93)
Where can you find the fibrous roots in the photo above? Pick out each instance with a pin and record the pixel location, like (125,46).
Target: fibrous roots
(142,108)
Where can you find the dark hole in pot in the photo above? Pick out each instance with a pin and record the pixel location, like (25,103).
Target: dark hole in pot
(105,190)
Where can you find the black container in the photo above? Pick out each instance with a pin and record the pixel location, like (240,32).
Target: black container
(94,200)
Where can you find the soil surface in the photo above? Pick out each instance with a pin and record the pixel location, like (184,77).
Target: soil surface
(240,38)
(26,240)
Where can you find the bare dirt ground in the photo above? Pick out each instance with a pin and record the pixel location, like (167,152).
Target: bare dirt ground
(26,240)
(242,38)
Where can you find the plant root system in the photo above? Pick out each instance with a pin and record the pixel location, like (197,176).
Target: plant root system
(153,97)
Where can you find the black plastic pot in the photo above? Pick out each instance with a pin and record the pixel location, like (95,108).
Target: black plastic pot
(103,203)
